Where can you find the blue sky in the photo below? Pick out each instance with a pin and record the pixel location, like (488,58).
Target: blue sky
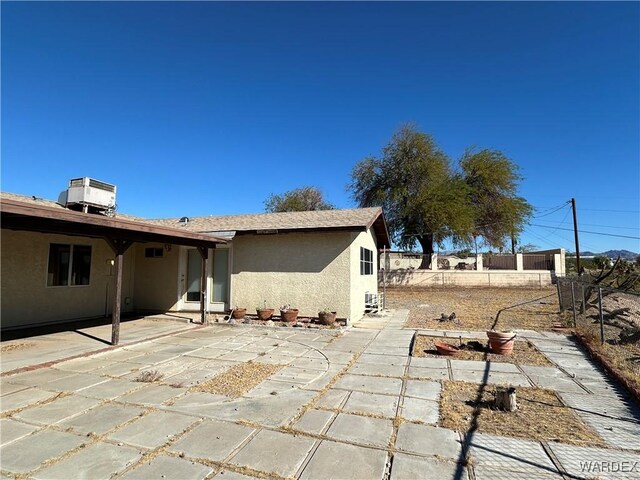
(207,108)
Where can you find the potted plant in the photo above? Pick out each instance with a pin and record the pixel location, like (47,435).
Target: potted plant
(288,314)
(263,312)
(238,313)
(327,317)
(501,342)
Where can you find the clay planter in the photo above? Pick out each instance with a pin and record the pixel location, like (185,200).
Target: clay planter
(501,342)
(446,349)
(289,315)
(327,318)
(264,313)
(238,313)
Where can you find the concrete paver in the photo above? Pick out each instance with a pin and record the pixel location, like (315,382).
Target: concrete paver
(510,454)
(364,430)
(101,460)
(428,440)
(314,421)
(153,430)
(332,398)
(286,453)
(58,410)
(377,369)
(213,440)
(29,452)
(24,398)
(151,394)
(591,462)
(102,418)
(10,430)
(110,389)
(420,410)
(363,383)
(410,467)
(423,389)
(169,468)
(338,461)
(372,403)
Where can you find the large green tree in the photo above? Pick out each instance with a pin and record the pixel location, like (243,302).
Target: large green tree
(297,200)
(427,201)
(423,199)
(492,185)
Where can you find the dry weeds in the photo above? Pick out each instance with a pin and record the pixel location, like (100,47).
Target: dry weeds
(149,376)
(540,415)
(15,346)
(523,352)
(623,357)
(238,380)
(477,308)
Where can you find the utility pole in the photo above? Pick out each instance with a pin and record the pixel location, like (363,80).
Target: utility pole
(575,234)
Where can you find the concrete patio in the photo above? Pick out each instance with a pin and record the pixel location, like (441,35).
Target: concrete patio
(350,405)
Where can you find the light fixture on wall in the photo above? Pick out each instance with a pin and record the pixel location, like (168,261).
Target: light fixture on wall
(111,262)
(167,247)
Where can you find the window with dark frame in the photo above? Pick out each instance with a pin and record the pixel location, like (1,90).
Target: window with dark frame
(366,261)
(153,252)
(69,265)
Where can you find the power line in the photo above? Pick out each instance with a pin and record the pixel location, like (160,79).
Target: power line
(587,231)
(615,211)
(606,226)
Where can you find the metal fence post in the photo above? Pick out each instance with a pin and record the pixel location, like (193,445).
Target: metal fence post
(573,304)
(600,313)
(560,296)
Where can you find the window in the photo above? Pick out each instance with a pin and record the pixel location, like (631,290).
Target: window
(153,252)
(366,261)
(68,265)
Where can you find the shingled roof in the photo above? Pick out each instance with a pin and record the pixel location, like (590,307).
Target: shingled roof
(355,219)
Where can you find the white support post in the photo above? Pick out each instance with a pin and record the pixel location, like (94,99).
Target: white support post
(479,262)
(519,262)
(434,262)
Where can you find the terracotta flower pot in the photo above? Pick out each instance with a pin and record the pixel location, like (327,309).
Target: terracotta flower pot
(446,348)
(289,315)
(327,318)
(238,313)
(264,313)
(501,342)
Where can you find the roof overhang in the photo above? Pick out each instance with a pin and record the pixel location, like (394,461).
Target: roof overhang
(16,215)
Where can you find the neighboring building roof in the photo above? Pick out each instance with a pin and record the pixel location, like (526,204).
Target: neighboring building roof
(354,219)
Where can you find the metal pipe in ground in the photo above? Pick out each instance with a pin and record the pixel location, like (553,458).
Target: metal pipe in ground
(600,314)
(573,304)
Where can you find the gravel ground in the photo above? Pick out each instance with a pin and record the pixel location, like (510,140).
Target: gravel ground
(238,379)
(477,308)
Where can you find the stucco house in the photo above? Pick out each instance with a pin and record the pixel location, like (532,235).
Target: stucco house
(59,264)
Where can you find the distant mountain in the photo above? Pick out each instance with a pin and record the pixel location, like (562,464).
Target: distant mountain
(624,254)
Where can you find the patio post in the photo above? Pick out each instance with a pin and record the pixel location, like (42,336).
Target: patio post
(204,253)
(119,247)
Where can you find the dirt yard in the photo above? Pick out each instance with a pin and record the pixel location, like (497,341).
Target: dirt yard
(477,308)
(540,415)
(477,349)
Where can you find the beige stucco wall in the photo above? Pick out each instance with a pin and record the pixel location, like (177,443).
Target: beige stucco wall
(310,271)
(25,298)
(156,285)
(494,278)
(361,284)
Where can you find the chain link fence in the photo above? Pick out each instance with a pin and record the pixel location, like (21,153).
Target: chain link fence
(599,311)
